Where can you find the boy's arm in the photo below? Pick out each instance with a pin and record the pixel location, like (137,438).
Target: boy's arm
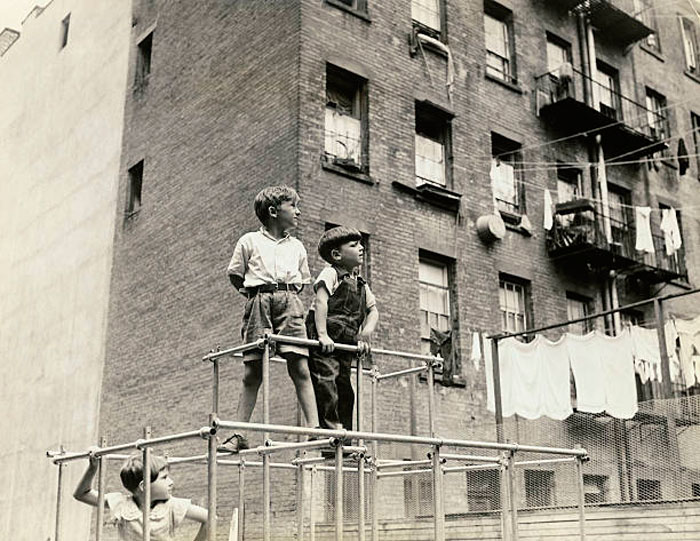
(236,281)
(84,491)
(320,315)
(197,513)
(364,337)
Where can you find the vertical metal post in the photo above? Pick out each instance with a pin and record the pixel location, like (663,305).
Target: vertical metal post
(211,482)
(581,497)
(146,503)
(361,461)
(375,450)
(312,517)
(497,390)
(101,476)
(59,498)
(215,398)
(266,435)
(300,502)
(505,502)
(438,502)
(512,496)
(241,499)
(339,492)
(431,399)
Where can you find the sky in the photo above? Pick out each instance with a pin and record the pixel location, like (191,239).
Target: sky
(12,12)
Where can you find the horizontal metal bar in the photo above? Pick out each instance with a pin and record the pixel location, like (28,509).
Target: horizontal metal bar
(397,438)
(456,469)
(243,347)
(471,458)
(403,473)
(403,464)
(256,464)
(309,460)
(544,461)
(277,446)
(405,372)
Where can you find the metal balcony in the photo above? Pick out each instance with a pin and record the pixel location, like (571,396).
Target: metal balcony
(578,236)
(627,127)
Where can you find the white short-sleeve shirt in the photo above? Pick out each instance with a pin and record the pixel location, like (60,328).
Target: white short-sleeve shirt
(260,259)
(329,277)
(127,515)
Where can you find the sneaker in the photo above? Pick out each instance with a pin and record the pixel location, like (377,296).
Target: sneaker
(237,442)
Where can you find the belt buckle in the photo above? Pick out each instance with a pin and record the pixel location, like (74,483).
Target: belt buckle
(277,286)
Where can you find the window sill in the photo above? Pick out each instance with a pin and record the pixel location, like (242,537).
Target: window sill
(352,11)
(416,44)
(694,76)
(435,195)
(515,87)
(352,173)
(653,52)
(514,222)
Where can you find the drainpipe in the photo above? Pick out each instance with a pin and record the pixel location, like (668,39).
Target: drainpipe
(590,41)
(583,51)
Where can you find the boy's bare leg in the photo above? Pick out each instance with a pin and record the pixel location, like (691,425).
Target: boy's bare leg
(252,378)
(298,370)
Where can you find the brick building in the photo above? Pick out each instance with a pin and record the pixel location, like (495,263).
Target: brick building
(410,120)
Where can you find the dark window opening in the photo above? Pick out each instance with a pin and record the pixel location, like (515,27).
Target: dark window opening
(506,176)
(648,489)
(65,26)
(539,488)
(433,146)
(143,60)
(595,488)
(133,202)
(418,495)
(500,43)
(483,490)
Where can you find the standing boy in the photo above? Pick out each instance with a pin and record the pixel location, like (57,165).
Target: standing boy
(270,268)
(344,311)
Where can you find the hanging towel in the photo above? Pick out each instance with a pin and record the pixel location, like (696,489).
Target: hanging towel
(689,338)
(488,372)
(475,355)
(645,242)
(646,352)
(671,231)
(534,378)
(548,213)
(683,160)
(603,373)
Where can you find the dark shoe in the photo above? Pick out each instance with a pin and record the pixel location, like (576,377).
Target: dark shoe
(233,444)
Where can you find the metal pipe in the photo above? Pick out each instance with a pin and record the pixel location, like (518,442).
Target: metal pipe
(59,501)
(300,502)
(505,501)
(241,499)
(146,502)
(398,438)
(581,498)
(403,464)
(101,477)
(471,458)
(543,461)
(244,347)
(438,503)
(403,473)
(339,493)
(310,460)
(512,495)
(404,372)
(273,446)
(312,518)
(375,451)
(663,349)
(498,406)
(266,435)
(211,483)
(431,400)
(361,462)
(215,390)
(476,467)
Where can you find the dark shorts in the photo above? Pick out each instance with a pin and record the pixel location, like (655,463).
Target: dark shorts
(277,312)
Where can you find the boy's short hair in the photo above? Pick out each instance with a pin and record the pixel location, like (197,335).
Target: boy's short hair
(273,196)
(132,470)
(335,238)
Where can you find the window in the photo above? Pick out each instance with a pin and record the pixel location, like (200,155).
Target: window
(500,50)
(695,122)
(418,495)
(143,60)
(513,300)
(539,488)
(558,53)
(656,115)
(606,91)
(619,200)
(595,488)
(648,489)
(65,25)
(578,306)
(433,146)
(483,490)
(674,262)
(346,116)
(569,183)
(427,16)
(506,180)
(350,496)
(632,317)
(695,487)
(690,44)
(356,5)
(133,202)
(644,11)
(434,284)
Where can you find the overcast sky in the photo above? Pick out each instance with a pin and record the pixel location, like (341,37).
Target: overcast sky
(12,12)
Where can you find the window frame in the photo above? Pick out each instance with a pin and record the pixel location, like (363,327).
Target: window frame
(527,313)
(691,45)
(564,45)
(678,257)
(424,28)
(587,304)
(651,485)
(488,484)
(502,146)
(448,288)
(355,7)
(621,233)
(435,125)
(504,16)
(65,30)
(657,121)
(359,86)
(549,487)
(612,85)
(598,481)
(144,60)
(134,190)
(417,500)
(644,12)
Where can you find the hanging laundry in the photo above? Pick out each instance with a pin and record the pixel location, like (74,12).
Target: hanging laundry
(689,338)
(644,242)
(475,355)
(534,378)
(671,231)
(441,342)
(548,212)
(683,160)
(646,352)
(603,370)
